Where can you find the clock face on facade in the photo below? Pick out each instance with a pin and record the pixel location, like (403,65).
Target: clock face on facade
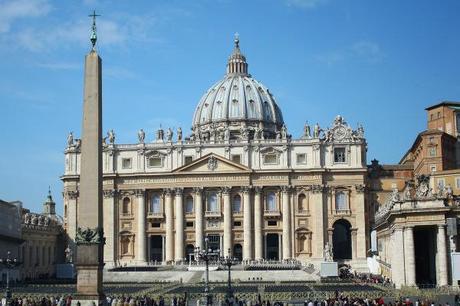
(340,133)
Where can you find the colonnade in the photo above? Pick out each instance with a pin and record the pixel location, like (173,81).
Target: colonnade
(253,208)
(403,265)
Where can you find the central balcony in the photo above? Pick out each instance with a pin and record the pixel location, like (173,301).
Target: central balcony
(213,214)
(272,214)
(155,216)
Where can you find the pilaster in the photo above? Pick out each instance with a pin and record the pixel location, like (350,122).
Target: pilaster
(247,243)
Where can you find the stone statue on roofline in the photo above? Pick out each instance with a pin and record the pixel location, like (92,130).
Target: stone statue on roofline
(141,136)
(316,131)
(306,131)
(169,135)
(179,134)
(70,140)
(111,136)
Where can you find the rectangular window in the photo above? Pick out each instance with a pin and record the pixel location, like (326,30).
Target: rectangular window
(341,201)
(433,151)
(441,183)
(237,223)
(156,224)
(457,182)
(126,163)
(189,224)
(270,159)
(236,158)
(188,159)
(155,162)
(431,117)
(339,155)
(433,168)
(272,223)
(301,159)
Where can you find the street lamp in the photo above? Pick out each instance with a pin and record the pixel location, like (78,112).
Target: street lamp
(229,262)
(9,263)
(206,255)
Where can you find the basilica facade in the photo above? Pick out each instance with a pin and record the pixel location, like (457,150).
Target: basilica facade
(239,183)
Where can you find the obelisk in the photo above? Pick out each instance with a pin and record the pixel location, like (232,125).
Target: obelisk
(90,237)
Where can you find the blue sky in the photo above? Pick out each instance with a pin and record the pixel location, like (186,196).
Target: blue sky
(379,63)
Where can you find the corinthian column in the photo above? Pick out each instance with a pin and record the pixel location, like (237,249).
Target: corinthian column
(441,256)
(247,243)
(258,237)
(179,242)
(169,227)
(286,223)
(198,202)
(227,222)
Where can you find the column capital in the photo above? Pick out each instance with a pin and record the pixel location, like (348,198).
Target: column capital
(286,188)
(198,190)
(258,189)
(441,226)
(167,192)
(109,193)
(246,189)
(317,188)
(360,188)
(71,194)
(226,189)
(178,191)
(139,193)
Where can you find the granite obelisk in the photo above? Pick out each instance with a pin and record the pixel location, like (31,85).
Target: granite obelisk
(90,237)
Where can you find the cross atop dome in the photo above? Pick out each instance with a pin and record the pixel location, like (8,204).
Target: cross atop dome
(93,36)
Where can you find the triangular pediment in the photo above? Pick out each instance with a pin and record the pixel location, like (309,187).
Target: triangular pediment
(212,163)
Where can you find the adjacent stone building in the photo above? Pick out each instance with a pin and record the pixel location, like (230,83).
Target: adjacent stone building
(411,204)
(239,179)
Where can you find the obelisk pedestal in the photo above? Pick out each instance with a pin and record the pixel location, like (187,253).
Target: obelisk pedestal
(89,238)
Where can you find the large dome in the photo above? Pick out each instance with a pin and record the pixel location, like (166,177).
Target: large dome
(238,103)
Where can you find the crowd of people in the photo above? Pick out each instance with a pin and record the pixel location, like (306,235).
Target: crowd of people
(338,300)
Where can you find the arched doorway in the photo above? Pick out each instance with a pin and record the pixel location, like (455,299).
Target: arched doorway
(189,252)
(238,252)
(341,239)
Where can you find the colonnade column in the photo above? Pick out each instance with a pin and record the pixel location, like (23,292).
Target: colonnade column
(247,243)
(141,252)
(286,223)
(227,222)
(397,264)
(258,237)
(409,255)
(169,227)
(317,207)
(441,256)
(199,233)
(179,241)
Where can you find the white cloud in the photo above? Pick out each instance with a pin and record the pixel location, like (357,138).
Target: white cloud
(12,10)
(305,4)
(110,32)
(363,51)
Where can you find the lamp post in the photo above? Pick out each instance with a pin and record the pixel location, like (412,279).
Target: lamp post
(206,255)
(8,263)
(228,262)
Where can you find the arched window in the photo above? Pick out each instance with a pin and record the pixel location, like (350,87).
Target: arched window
(212,202)
(236,204)
(155,204)
(340,200)
(302,203)
(189,204)
(271,201)
(126,208)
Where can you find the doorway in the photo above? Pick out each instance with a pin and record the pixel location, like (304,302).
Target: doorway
(273,243)
(156,248)
(425,256)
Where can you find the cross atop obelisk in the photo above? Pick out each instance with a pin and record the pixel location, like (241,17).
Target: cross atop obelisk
(90,235)
(93,29)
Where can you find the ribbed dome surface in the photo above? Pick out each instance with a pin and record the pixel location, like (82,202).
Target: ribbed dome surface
(238,99)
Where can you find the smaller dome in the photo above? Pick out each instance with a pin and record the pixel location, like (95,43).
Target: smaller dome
(238,103)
